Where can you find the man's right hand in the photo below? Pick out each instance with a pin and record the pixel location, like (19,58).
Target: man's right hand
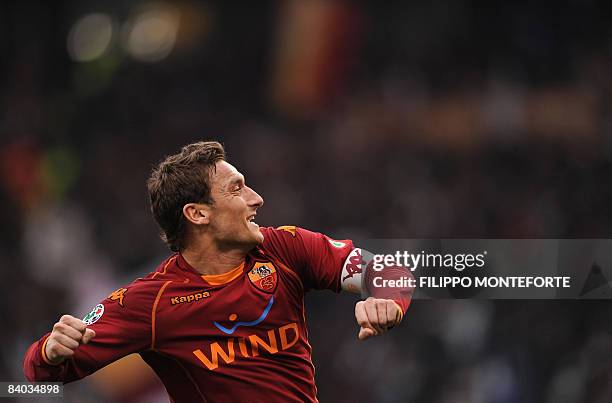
(67,335)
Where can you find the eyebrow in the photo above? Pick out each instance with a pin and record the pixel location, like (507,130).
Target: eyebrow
(236,179)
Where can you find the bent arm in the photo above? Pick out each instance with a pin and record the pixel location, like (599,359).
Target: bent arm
(385,305)
(326,263)
(119,330)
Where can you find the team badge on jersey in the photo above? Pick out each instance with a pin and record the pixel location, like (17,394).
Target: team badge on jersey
(93,316)
(263,276)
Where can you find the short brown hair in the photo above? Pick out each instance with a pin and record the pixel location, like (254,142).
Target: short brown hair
(180,179)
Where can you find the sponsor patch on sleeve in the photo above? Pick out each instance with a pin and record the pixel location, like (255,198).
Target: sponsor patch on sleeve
(95,314)
(337,244)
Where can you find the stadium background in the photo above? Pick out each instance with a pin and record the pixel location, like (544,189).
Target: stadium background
(437,118)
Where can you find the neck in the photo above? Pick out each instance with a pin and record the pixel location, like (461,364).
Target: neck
(210,259)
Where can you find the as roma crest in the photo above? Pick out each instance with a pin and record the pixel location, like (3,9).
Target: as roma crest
(264,276)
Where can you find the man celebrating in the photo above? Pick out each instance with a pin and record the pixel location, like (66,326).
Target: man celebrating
(222,319)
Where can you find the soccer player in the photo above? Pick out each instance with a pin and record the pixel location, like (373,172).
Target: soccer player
(222,319)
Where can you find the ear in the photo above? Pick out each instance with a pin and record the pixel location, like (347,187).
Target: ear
(197,213)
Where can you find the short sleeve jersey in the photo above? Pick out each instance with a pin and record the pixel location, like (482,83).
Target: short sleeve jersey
(236,337)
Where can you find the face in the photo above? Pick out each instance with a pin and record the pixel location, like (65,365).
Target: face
(232,214)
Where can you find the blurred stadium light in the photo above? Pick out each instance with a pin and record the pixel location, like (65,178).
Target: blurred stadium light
(150,35)
(90,37)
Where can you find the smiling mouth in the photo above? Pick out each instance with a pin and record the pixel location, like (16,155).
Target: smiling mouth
(251,219)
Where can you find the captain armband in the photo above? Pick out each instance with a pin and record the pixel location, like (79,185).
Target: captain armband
(352,277)
(359,275)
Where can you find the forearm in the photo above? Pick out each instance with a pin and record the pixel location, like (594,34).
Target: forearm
(76,348)
(390,283)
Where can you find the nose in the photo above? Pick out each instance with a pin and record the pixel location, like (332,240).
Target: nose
(255,199)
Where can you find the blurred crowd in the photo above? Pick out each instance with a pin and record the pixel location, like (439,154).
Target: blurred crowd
(438,119)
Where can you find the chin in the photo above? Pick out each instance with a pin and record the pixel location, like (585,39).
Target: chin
(258,237)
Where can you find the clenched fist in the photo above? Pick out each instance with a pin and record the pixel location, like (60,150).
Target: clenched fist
(67,335)
(376,316)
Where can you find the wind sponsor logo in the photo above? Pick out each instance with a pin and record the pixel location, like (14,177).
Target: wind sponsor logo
(275,340)
(255,322)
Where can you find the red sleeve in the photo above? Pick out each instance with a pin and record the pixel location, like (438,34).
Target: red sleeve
(319,260)
(123,327)
(315,257)
(402,295)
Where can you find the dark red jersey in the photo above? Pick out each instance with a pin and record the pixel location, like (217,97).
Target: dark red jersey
(236,337)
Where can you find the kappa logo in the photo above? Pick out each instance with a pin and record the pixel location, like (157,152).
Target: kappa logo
(288,228)
(118,296)
(197,296)
(264,276)
(353,264)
